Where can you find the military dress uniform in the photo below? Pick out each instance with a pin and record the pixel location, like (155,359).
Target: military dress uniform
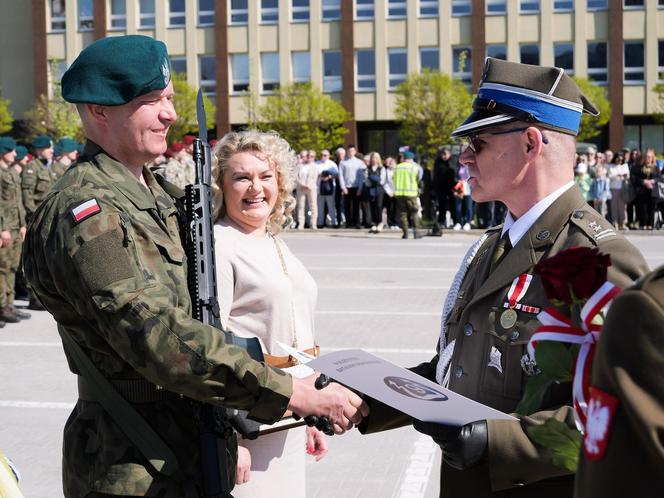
(623,450)
(487,329)
(103,255)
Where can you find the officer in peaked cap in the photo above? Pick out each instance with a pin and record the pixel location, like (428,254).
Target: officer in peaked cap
(521,149)
(103,255)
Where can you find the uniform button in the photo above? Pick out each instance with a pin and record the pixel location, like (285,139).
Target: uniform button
(458,372)
(578,215)
(514,335)
(468,329)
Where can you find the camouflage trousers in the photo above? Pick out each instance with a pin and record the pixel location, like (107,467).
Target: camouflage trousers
(10,258)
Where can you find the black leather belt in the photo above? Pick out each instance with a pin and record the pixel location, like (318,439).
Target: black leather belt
(133,390)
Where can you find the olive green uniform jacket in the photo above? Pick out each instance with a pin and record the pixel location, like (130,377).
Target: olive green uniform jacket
(36,181)
(116,281)
(629,365)
(486,364)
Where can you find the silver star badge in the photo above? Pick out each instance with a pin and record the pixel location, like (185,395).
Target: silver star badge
(494,359)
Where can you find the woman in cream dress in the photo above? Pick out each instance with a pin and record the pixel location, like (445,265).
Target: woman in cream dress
(265,292)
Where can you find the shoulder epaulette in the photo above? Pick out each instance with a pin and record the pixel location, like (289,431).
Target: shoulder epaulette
(593,224)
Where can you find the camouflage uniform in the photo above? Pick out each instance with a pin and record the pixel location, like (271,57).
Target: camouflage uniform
(14,219)
(116,282)
(59,169)
(36,180)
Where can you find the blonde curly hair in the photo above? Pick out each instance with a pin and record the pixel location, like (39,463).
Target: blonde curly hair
(268,146)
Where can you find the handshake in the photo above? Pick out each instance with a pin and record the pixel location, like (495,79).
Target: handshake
(330,407)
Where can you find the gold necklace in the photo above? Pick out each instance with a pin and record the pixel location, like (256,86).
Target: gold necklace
(284,268)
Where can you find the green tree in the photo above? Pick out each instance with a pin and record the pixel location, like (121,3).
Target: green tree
(6,116)
(302,114)
(430,106)
(591,126)
(184,101)
(53,116)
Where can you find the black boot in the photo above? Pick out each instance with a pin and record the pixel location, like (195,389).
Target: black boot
(7,315)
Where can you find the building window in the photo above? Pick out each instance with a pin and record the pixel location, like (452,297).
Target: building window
(269,11)
(496,7)
(179,65)
(85,15)
(429,58)
(331,71)
(563,57)
(365,69)
(396,9)
(206,12)
(56,69)
(428,8)
(146,14)
(497,51)
(530,54)
(270,71)
(633,4)
(634,62)
(208,75)
(563,5)
(598,62)
(529,6)
(58,17)
(118,15)
(301,67)
(397,63)
(176,13)
(660,60)
(300,11)
(364,9)
(598,4)
(239,73)
(462,64)
(239,13)
(331,10)
(462,7)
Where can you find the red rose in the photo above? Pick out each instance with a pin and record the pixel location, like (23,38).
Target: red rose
(573,274)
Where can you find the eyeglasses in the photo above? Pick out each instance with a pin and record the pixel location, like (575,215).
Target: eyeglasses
(475,143)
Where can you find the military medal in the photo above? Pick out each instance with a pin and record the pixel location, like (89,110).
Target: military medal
(517,290)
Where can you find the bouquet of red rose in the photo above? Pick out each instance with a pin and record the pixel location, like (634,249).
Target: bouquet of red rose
(562,348)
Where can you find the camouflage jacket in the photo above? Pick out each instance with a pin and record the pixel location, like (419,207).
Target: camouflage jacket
(12,199)
(36,181)
(114,277)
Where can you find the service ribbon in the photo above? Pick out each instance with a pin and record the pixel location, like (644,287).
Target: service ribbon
(557,327)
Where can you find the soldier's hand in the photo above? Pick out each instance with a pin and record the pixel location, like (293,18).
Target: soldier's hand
(341,406)
(6,238)
(463,447)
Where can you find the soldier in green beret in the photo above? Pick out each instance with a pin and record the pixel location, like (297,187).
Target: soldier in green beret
(104,256)
(68,153)
(13,226)
(520,150)
(38,175)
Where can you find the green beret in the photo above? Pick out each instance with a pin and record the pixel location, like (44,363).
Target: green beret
(116,70)
(7,144)
(67,145)
(42,142)
(21,152)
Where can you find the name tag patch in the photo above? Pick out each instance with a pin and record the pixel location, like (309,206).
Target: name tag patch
(85,210)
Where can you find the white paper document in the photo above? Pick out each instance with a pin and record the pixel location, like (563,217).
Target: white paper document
(402,389)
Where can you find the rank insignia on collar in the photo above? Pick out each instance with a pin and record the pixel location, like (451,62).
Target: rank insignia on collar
(601,408)
(85,210)
(495,357)
(543,235)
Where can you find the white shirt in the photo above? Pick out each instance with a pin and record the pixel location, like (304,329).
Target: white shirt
(518,228)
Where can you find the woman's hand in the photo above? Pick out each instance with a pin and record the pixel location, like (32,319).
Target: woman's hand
(316,443)
(243,469)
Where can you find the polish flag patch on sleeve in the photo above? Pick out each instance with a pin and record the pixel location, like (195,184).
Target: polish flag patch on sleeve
(601,409)
(85,210)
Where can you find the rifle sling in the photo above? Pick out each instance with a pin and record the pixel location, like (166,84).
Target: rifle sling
(132,424)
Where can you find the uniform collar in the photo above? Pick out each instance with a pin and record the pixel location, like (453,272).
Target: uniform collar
(518,228)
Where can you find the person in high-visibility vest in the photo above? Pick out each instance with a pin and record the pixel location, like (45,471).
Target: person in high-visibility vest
(405,179)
